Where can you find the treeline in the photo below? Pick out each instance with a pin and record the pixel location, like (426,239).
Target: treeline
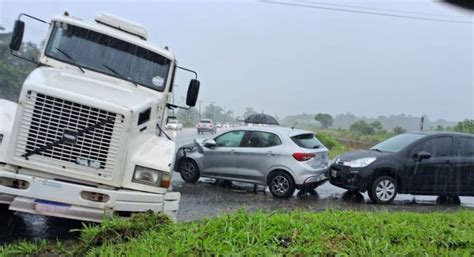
(13,71)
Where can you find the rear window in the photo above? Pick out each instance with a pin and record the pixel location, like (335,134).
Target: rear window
(307,141)
(205,121)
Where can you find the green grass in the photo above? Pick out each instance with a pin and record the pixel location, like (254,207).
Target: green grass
(297,233)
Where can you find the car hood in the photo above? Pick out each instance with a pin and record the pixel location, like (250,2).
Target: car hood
(358,154)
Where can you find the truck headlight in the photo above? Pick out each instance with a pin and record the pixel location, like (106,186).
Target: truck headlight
(147,176)
(360,163)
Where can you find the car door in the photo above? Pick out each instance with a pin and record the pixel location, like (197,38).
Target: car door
(464,164)
(259,151)
(433,175)
(220,161)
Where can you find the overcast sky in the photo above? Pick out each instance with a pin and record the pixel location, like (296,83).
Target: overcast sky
(292,59)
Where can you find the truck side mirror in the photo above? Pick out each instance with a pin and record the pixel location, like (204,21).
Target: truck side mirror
(193,92)
(17,35)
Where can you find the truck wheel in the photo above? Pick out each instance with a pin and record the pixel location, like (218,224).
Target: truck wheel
(281,184)
(383,190)
(189,171)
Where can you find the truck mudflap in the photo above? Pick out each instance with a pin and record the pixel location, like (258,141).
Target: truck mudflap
(67,200)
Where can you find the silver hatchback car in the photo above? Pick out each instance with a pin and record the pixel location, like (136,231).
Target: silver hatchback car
(285,159)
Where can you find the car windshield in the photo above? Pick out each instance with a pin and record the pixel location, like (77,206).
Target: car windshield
(307,141)
(397,143)
(108,55)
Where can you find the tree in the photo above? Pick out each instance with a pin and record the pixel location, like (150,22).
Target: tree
(465,126)
(213,112)
(188,117)
(325,119)
(362,127)
(248,111)
(377,126)
(398,130)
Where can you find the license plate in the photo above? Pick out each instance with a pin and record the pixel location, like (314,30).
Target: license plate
(43,206)
(334,173)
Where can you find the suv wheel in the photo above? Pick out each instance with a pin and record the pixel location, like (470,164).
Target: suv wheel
(281,185)
(383,190)
(189,171)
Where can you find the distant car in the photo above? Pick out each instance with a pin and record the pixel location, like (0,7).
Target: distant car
(226,125)
(422,163)
(174,125)
(218,125)
(206,125)
(285,159)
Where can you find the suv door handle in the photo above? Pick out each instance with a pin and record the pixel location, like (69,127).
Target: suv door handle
(270,153)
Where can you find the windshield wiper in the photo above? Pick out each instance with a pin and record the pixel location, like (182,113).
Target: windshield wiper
(70,58)
(118,74)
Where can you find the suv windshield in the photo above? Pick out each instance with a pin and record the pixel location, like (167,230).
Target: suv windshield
(205,121)
(306,141)
(105,54)
(397,143)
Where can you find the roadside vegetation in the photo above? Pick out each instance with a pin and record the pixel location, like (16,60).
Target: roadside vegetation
(297,233)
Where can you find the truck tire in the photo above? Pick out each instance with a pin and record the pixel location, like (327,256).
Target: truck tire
(383,190)
(189,170)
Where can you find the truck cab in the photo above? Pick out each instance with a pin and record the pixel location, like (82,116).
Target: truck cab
(86,138)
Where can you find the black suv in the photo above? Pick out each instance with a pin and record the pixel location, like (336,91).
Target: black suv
(421,163)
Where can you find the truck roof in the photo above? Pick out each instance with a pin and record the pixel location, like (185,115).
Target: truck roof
(113,32)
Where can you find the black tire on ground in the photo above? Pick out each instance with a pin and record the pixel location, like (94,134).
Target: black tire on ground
(281,184)
(383,190)
(189,170)
(303,194)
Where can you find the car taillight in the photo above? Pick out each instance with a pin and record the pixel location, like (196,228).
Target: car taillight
(210,126)
(303,156)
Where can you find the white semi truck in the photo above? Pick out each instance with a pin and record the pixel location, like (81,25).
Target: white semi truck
(85,140)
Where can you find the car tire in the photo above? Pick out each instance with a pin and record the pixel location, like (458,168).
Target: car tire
(383,190)
(281,184)
(189,170)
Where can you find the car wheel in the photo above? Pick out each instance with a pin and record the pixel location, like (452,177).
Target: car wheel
(189,171)
(281,185)
(383,190)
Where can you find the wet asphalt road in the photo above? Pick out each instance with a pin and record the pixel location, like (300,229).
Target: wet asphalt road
(208,198)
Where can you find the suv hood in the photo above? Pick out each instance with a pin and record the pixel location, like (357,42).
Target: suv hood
(111,90)
(358,154)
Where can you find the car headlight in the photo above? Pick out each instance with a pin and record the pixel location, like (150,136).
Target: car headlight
(147,176)
(360,163)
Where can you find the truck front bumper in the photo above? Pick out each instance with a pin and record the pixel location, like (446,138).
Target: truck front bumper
(63,199)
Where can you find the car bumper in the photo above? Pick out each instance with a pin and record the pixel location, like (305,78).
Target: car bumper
(62,199)
(312,178)
(347,178)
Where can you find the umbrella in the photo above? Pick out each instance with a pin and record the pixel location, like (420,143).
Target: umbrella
(261,118)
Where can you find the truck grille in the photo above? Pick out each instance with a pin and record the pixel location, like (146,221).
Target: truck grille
(47,119)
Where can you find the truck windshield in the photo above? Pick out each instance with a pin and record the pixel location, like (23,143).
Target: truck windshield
(98,52)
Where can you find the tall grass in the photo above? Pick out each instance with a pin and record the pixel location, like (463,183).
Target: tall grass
(297,233)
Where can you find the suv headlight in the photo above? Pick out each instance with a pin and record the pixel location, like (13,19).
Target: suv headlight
(360,163)
(147,176)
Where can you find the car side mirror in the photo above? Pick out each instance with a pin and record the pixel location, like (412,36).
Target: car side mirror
(193,92)
(421,156)
(210,143)
(17,35)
